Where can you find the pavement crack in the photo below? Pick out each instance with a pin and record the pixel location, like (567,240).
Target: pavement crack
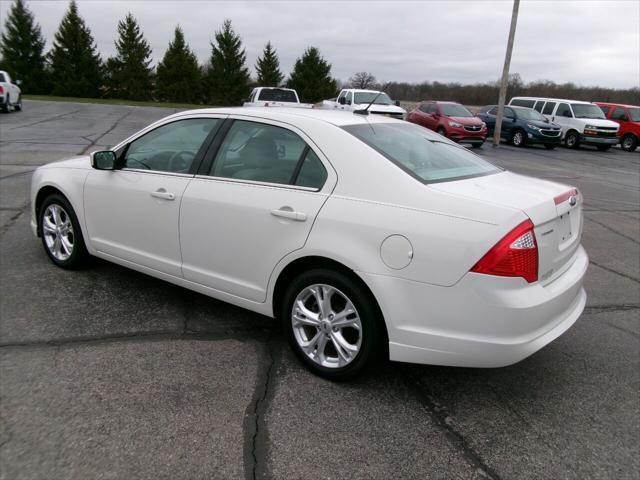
(609,269)
(611,308)
(55,117)
(255,425)
(444,421)
(109,130)
(11,175)
(613,230)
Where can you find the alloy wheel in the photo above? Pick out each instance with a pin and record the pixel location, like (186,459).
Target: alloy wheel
(58,232)
(326,326)
(517,139)
(627,143)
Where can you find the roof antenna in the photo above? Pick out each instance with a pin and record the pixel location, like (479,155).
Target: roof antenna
(365,111)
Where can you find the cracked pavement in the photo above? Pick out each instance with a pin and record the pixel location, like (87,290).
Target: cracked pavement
(108,373)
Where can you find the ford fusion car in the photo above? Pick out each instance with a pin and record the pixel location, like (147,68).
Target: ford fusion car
(365,235)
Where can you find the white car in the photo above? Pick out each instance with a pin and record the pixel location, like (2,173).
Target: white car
(581,122)
(352,99)
(274,97)
(10,93)
(363,234)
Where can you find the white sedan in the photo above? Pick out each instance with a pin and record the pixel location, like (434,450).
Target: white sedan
(367,236)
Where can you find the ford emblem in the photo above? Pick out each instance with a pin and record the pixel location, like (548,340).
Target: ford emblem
(573,201)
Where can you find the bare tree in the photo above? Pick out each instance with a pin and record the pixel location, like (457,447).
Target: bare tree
(362,80)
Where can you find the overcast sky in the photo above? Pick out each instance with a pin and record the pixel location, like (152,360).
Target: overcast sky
(585,42)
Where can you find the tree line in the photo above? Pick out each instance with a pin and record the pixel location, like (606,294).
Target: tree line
(73,67)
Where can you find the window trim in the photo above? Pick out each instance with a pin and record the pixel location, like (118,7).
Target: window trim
(212,152)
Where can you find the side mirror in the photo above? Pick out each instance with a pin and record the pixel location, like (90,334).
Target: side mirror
(18,82)
(342,100)
(104,160)
(397,103)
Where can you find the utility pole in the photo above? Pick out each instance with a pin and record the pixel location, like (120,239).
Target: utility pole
(505,74)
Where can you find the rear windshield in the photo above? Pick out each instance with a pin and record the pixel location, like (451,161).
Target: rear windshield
(277,95)
(2,79)
(421,153)
(453,110)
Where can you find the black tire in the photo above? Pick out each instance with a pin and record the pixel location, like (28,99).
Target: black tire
(629,142)
(518,138)
(572,139)
(6,108)
(442,132)
(549,146)
(603,148)
(372,332)
(18,106)
(79,255)
(477,145)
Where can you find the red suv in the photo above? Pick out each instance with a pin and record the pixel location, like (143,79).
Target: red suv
(628,117)
(451,120)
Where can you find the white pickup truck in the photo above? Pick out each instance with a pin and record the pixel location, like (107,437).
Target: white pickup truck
(351,99)
(10,94)
(274,97)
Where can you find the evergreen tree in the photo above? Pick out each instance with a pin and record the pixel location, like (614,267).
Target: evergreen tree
(76,67)
(21,46)
(268,68)
(228,77)
(311,77)
(178,76)
(129,74)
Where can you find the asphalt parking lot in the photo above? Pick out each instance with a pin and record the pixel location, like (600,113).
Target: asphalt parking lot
(108,373)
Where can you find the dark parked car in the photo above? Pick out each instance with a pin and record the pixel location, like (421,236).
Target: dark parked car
(522,126)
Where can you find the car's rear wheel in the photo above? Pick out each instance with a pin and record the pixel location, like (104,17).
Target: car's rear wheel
(603,148)
(549,146)
(442,131)
(61,235)
(572,140)
(331,323)
(629,142)
(18,106)
(6,107)
(518,138)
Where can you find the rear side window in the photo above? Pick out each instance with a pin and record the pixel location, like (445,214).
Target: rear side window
(538,106)
(493,111)
(548,108)
(265,153)
(564,111)
(420,153)
(2,79)
(521,102)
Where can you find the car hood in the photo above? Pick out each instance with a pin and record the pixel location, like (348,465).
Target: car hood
(466,120)
(76,162)
(597,122)
(542,124)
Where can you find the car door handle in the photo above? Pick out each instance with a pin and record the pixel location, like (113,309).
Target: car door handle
(162,193)
(289,214)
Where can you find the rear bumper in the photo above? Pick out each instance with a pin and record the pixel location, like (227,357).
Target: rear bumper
(482,321)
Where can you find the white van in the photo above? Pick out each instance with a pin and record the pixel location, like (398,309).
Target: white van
(582,122)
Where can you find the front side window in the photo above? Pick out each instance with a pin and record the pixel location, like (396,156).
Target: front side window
(548,108)
(171,147)
(634,113)
(265,153)
(424,108)
(509,113)
(538,106)
(587,110)
(420,153)
(493,111)
(349,98)
(454,110)
(563,111)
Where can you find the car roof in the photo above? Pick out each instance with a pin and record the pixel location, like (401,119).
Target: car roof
(335,117)
(617,105)
(546,99)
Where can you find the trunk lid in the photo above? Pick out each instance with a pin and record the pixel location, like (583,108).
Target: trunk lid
(554,209)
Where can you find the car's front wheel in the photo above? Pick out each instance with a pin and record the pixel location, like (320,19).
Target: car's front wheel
(629,142)
(331,323)
(572,140)
(61,235)
(518,138)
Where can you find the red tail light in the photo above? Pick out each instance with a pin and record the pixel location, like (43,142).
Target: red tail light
(1,90)
(516,255)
